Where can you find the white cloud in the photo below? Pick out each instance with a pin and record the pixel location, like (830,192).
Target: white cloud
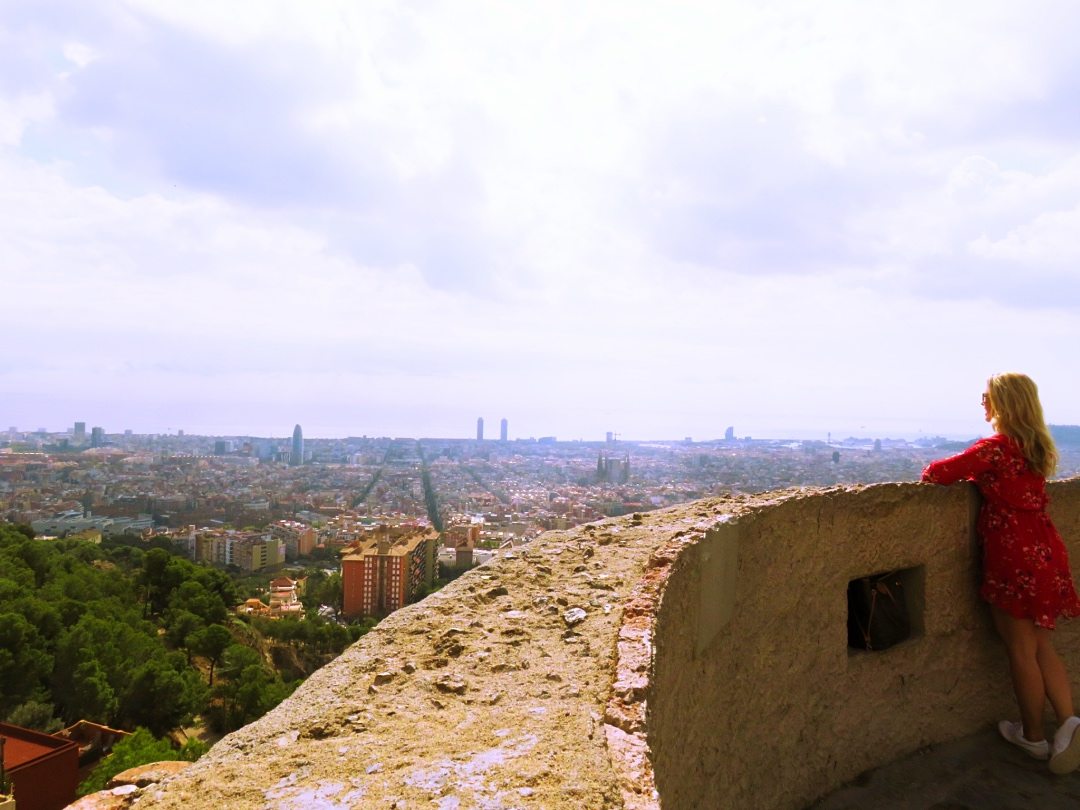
(774,212)
(1048,240)
(17,113)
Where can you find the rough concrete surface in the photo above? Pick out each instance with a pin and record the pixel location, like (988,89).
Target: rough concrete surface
(978,772)
(782,710)
(491,693)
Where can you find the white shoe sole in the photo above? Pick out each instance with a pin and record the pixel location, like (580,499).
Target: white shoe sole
(1067,760)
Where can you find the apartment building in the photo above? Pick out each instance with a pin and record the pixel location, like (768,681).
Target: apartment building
(386,570)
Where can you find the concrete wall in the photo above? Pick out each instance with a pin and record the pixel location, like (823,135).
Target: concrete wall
(692,657)
(755,699)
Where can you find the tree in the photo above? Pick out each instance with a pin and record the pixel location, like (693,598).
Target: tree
(179,626)
(36,715)
(92,697)
(139,748)
(237,658)
(24,662)
(161,698)
(250,695)
(211,643)
(110,641)
(162,573)
(194,597)
(328,592)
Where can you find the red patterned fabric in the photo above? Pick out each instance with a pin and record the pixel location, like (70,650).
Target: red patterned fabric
(1025,564)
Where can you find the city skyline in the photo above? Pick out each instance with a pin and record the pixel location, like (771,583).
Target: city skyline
(288,441)
(657,221)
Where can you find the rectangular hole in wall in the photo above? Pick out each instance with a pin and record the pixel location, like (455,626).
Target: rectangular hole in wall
(886,608)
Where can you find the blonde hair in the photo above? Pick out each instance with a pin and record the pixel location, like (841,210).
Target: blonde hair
(1015,410)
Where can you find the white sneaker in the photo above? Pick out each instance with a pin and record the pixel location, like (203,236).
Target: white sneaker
(1066,758)
(1014,733)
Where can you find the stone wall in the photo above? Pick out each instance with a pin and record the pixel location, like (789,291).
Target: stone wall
(706,641)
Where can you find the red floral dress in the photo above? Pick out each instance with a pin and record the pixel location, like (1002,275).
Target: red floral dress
(1025,564)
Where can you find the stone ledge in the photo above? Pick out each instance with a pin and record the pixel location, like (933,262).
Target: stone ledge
(561,675)
(494,692)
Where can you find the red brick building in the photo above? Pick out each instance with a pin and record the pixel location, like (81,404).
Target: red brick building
(383,573)
(43,769)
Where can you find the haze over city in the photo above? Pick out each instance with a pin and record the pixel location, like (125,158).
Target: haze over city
(391,218)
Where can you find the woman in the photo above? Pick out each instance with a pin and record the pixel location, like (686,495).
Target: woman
(1026,576)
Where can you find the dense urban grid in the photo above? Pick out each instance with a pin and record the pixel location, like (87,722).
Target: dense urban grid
(135,483)
(67,483)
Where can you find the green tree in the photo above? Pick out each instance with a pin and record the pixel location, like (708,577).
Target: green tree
(162,574)
(328,591)
(236,659)
(111,642)
(139,748)
(211,643)
(92,696)
(160,697)
(194,597)
(250,695)
(36,715)
(179,626)
(24,661)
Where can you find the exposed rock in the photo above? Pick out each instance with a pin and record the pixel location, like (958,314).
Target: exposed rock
(143,775)
(451,685)
(574,616)
(105,799)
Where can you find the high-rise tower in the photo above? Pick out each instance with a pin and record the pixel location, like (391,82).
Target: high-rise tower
(297,456)
(80,433)
(503,425)
(479,428)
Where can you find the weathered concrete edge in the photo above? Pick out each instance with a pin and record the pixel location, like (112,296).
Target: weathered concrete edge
(650,542)
(626,714)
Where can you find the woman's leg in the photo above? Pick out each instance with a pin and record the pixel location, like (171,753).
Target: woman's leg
(1022,645)
(1055,678)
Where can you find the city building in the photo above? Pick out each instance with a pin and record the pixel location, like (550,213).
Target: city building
(503,426)
(251,551)
(43,769)
(299,538)
(386,570)
(613,470)
(479,428)
(297,457)
(94,740)
(80,433)
(285,596)
(462,538)
(97,437)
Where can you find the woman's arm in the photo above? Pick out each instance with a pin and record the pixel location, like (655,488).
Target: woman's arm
(980,457)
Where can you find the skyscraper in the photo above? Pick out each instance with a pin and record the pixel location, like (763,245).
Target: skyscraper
(97,437)
(80,433)
(479,428)
(502,429)
(296,458)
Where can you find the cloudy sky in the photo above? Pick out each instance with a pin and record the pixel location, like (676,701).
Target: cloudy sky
(660,219)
